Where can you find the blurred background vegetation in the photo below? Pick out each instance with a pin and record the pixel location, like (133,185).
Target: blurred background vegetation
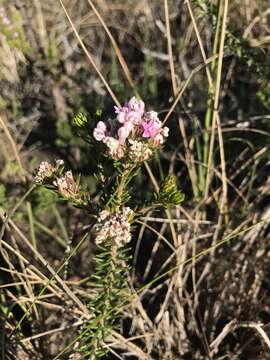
(45,80)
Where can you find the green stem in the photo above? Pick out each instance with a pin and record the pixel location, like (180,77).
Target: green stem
(125,179)
(102,327)
(209,112)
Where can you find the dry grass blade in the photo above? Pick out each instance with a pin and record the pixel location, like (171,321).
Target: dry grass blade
(90,57)
(182,90)
(155,184)
(233,325)
(157,233)
(224,206)
(52,331)
(116,48)
(197,32)
(125,343)
(13,211)
(169,46)
(51,270)
(216,122)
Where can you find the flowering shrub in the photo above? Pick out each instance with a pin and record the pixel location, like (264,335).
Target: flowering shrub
(131,138)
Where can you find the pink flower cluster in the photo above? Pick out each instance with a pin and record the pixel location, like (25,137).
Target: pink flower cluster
(132,124)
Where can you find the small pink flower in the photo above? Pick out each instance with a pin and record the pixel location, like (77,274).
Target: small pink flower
(158,140)
(99,131)
(151,129)
(136,105)
(6,20)
(139,151)
(134,117)
(101,126)
(132,111)
(121,117)
(117,109)
(124,132)
(121,113)
(152,115)
(104,214)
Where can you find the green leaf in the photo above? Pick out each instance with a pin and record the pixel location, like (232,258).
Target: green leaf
(168,193)
(80,120)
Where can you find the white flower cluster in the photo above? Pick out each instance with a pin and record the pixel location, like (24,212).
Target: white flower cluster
(64,182)
(46,170)
(114,150)
(67,186)
(139,151)
(143,130)
(113,226)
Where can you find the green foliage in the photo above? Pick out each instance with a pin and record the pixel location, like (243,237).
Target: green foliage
(42,198)
(168,193)
(80,120)
(52,54)
(11,169)
(3,197)
(6,201)
(110,280)
(81,127)
(264,93)
(235,44)
(252,57)
(11,26)
(207,8)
